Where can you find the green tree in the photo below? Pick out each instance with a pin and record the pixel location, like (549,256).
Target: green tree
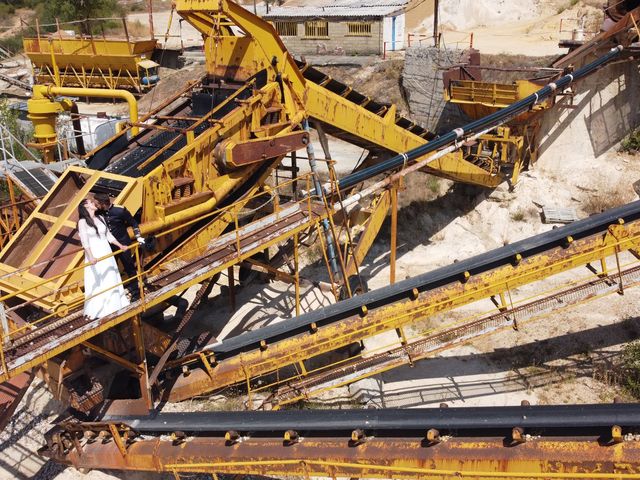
(70,10)
(9,120)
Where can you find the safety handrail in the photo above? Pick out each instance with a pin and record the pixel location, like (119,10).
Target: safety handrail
(232,209)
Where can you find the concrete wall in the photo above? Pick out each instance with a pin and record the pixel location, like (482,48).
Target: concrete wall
(338,42)
(604,111)
(422,83)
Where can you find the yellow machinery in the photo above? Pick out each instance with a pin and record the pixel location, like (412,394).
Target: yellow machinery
(88,62)
(516,143)
(216,139)
(197,171)
(188,170)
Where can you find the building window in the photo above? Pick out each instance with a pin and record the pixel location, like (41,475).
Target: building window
(287,29)
(316,29)
(360,29)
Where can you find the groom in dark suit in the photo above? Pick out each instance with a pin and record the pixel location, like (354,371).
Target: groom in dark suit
(118,220)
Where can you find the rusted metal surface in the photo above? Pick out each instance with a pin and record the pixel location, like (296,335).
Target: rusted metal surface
(618,34)
(285,352)
(203,292)
(397,457)
(11,392)
(362,367)
(259,150)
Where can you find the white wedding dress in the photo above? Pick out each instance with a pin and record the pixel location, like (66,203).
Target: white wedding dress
(104,275)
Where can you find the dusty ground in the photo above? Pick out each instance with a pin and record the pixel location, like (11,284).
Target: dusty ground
(517,26)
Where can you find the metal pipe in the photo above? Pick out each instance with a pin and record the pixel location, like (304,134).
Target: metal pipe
(48,91)
(370,190)
(331,249)
(491,120)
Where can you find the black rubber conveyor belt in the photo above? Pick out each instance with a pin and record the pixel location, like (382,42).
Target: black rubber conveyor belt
(476,126)
(427,281)
(555,418)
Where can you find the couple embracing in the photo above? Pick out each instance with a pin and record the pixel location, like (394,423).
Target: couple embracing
(102,228)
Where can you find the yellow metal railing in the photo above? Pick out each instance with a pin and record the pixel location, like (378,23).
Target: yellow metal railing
(493,94)
(234,214)
(417,335)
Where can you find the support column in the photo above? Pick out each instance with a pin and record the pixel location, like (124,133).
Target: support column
(232,289)
(394,233)
(296,273)
(145,386)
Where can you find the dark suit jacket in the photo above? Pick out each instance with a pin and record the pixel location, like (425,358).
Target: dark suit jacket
(118,219)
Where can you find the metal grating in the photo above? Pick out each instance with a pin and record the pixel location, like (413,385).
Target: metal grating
(35,179)
(559,215)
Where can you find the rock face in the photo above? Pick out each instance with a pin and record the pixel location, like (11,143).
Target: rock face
(422,83)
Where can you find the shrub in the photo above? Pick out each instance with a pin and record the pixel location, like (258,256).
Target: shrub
(433,183)
(631,144)
(518,216)
(13,43)
(6,10)
(9,119)
(631,365)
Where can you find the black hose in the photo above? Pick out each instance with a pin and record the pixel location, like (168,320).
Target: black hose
(477,125)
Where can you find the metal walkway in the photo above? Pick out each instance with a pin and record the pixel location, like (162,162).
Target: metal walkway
(34,344)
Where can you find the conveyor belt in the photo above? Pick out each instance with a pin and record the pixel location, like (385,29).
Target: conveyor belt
(201,104)
(393,421)
(339,88)
(442,276)
(492,120)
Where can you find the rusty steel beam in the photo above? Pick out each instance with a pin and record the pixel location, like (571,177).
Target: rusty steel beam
(620,33)
(265,352)
(239,154)
(363,366)
(433,456)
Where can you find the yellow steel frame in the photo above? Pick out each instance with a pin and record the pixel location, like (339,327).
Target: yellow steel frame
(88,63)
(286,89)
(427,343)
(333,457)
(39,292)
(228,55)
(256,363)
(478,99)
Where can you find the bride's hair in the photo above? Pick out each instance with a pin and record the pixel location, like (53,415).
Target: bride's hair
(83,213)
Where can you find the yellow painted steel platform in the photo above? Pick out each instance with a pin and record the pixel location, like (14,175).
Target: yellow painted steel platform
(89,62)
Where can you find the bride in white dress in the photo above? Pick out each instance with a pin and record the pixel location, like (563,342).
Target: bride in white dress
(99,276)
